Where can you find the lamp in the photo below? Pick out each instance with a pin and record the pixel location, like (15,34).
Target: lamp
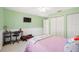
(43,9)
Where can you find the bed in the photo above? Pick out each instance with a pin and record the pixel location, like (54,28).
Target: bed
(46,43)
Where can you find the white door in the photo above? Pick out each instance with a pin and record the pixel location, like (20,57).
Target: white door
(46,26)
(72,25)
(57,26)
(53,26)
(60,26)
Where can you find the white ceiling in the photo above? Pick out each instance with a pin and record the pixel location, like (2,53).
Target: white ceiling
(36,11)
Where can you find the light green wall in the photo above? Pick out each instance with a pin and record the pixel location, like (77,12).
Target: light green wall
(65,14)
(1,18)
(14,20)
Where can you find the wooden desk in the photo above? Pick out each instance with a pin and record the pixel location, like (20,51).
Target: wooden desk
(7,36)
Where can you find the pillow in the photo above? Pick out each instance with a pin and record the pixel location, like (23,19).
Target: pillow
(76,38)
(71,40)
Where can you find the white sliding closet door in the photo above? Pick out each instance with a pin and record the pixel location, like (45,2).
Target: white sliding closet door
(60,26)
(57,26)
(46,26)
(53,26)
(72,25)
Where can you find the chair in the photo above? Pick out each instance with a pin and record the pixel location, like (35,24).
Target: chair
(16,35)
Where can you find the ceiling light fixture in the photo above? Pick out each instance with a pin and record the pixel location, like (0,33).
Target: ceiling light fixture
(43,9)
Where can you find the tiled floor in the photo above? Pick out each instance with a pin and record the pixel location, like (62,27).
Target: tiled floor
(17,47)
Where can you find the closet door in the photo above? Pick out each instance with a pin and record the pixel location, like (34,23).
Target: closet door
(57,26)
(72,25)
(53,26)
(46,26)
(60,26)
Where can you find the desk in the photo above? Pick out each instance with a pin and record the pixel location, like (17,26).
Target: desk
(7,36)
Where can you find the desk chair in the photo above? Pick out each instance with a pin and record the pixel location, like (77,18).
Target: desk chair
(16,35)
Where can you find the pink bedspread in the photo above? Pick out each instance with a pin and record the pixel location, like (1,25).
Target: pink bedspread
(49,44)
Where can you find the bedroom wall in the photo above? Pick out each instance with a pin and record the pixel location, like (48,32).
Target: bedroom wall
(14,21)
(1,18)
(1,25)
(65,14)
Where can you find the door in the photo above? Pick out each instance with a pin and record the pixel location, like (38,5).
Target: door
(57,26)
(46,26)
(53,26)
(72,25)
(60,26)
